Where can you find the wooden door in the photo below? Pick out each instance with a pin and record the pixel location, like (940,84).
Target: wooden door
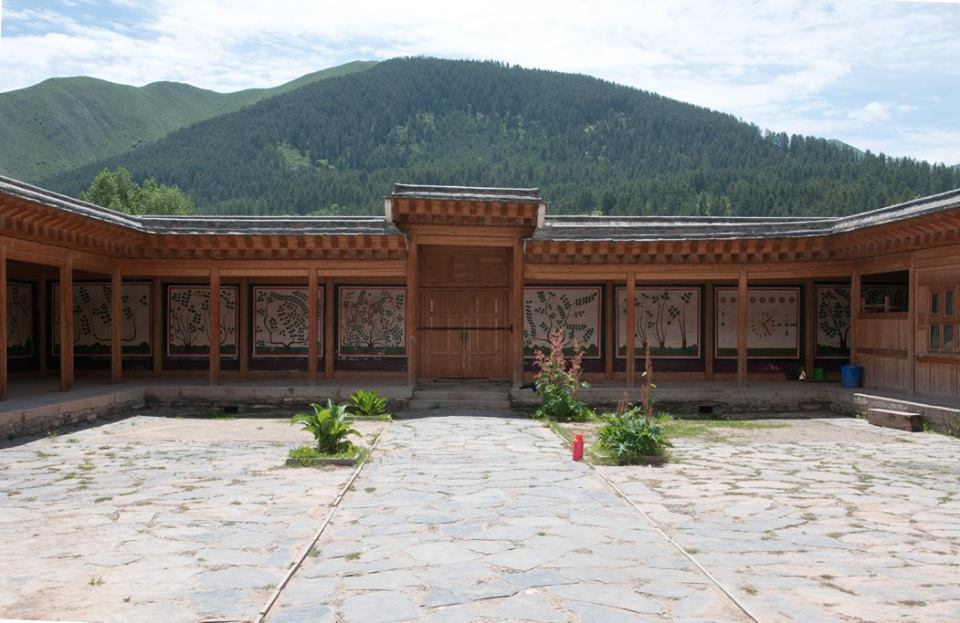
(464,324)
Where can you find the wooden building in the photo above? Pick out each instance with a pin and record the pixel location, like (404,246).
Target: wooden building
(464,283)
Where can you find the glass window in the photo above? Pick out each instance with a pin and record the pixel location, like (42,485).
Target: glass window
(948,303)
(935,303)
(948,338)
(935,338)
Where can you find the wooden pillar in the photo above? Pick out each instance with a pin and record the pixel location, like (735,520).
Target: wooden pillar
(709,318)
(66,326)
(912,301)
(854,313)
(116,324)
(159,319)
(412,302)
(3,322)
(610,324)
(243,329)
(313,330)
(214,324)
(42,310)
(329,320)
(742,311)
(630,335)
(810,328)
(516,315)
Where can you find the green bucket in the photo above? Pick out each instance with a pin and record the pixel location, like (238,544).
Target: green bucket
(818,374)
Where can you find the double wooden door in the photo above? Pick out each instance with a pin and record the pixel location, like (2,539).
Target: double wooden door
(464,321)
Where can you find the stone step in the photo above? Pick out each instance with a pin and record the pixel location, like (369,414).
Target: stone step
(427,405)
(900,420)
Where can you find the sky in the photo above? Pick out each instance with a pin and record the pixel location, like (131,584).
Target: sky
(882,75)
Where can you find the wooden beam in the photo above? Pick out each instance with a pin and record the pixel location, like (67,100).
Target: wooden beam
(116,324)
(610,325)
(708,331)
(3,322)
(516,321)
(313,330)
(66,326)
(43,309)
(742,311)
(244,316)
(913,327)
(810,327)
(157,326)
(412,302)
(329,320)
(214,322)
(854,312)
(630,335)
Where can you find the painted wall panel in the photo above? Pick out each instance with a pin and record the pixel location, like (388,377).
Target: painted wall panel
(576,310)
(833,322)
(773,328)
(91,319)
(371,321)
(20,339)
(280,321)
(668,317)
(188,321)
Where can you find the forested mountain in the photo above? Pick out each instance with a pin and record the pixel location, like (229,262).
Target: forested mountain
(338,145)
(63,123)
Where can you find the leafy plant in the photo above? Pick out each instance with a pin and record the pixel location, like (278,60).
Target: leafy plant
(328,425)
(633,433)
(365,403)
(558,380)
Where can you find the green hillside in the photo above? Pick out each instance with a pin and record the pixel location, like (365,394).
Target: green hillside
(338,145)
(63,123)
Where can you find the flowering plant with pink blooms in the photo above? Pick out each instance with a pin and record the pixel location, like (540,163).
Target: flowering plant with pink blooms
(557,380)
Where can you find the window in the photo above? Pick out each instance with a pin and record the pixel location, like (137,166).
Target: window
(944,320)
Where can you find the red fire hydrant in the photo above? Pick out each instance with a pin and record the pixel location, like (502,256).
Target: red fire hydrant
(577,445)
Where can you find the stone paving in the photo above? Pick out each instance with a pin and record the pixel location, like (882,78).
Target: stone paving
(155,519)
(862,524)
(461,519)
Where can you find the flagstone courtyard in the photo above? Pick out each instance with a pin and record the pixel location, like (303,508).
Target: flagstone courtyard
(464,518)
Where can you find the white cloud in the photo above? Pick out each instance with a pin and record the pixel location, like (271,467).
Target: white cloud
(775,63)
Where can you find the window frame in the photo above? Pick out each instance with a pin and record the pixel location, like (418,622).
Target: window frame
(940,322)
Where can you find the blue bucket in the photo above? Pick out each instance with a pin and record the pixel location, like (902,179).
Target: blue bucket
(851,375)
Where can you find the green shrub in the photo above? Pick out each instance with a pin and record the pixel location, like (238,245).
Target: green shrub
(304,455)
(558,380)
(328,425)
(367,404)
(630,436)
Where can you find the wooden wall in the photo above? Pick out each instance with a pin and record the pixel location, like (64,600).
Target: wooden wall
(883,344)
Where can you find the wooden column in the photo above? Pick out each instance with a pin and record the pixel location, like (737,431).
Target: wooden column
(631,333)
(214,324)
(159,319)
(709,317)
(610,324)
(329,320)
(3,322)
(313,331)
(412,302)
(912,301)
(243,328)
(66,326)
(42,310)
(116,324)
(516,313)
(810,328)
(854,313)
(742,311)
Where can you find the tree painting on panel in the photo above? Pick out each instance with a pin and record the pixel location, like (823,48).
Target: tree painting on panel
(372,322)
(188,321)
(574,310)
(19,320)
(833,321)
(92,319)
(669,318)
(281,317)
